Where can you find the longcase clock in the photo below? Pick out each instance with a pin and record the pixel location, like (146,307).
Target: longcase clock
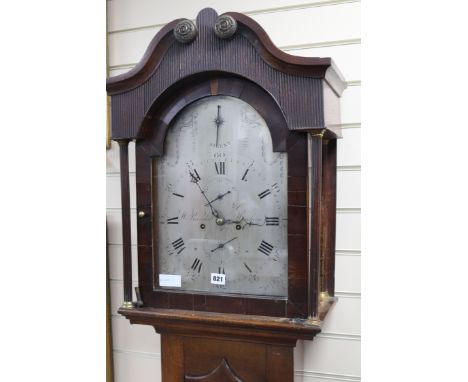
(235,145)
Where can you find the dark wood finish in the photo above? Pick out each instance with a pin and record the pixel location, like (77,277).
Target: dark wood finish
(152,133)
(201,346)
(296,83)
(328,217)
(223,372)
(272,330)
(228,361)
(109,347)
(207,337)
(150,145)
(314,226)
(236,362)
(153,56)
(172,353)
(317,67)
(126,229)
(303,287)
(280,363)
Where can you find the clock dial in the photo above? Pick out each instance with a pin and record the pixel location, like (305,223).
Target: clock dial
(222,202)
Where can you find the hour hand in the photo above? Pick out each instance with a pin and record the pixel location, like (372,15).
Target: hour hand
(242,221)
(222,245)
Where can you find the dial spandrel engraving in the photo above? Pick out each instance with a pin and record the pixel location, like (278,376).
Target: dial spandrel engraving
(221,194)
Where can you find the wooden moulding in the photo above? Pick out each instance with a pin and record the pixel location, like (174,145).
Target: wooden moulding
(307,89)
(126,228)
(314,221)
(317,67)
(328,217)
(263,329)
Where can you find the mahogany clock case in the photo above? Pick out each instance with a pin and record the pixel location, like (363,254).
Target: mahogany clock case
(294,143)
(296,96)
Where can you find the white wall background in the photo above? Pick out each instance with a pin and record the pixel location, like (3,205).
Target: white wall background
(316,28)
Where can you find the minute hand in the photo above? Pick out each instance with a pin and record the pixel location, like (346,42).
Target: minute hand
(213,211)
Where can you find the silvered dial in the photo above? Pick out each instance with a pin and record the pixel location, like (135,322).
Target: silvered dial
(222,202)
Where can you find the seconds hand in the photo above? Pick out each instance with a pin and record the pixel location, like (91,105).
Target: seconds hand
(218,122)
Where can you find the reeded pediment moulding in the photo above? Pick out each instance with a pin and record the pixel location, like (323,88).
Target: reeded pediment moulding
(233,45)
(224,26)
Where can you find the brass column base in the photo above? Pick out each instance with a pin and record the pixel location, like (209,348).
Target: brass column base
(127,305)
(324,296)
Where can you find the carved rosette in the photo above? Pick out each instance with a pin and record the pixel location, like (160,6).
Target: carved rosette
(225,26)
(185,31)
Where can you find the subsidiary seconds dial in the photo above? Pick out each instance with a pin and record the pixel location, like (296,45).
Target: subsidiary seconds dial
(222,197)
